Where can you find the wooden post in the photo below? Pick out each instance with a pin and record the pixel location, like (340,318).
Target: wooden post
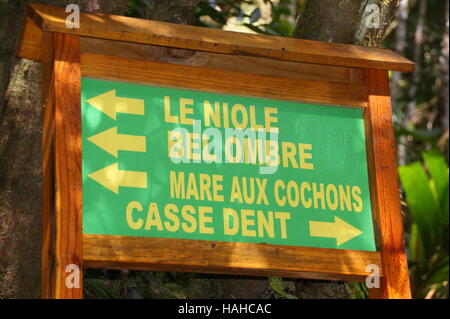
(48,200)
(62,237)
(395,280)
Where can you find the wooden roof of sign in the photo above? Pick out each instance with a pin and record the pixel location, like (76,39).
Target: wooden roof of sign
(43,18)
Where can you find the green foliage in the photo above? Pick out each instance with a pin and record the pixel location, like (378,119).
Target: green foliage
(276,284)
(219,11)
(279,25)
(215,14)
(426,188)
(356,290)
(100,284)
(423,128)
(98,289)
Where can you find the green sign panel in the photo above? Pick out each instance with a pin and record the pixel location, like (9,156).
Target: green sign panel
(169,163)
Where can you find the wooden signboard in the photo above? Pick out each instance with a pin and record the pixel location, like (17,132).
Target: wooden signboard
(170,147)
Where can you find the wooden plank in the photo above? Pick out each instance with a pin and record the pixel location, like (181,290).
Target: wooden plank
(225,257)
(371,169)
(48,227)
(237,63)
(47,60)
(96,25)
(395,283)
(372,180)
(221,81)
(68,208)
(48,201)
(30,46)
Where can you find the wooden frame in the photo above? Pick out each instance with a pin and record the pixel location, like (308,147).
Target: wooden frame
(110,47)
(226,257)
(62,239)
(390,223)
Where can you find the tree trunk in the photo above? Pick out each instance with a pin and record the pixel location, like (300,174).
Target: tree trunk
(346,21)
(400,46)
(20,152)
(417,58)
(401,33)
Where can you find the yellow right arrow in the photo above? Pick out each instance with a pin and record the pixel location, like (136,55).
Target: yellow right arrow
(110,104)
(111,142)
(340,230)
(112,178)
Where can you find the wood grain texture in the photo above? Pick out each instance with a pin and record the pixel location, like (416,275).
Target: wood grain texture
(225,257)
(30,45)
(128,29)
(371,169)
(68,208)
(222,81)
(237,63)
(48,184)
(395,283)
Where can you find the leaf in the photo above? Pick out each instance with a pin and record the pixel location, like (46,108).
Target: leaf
(427,199)
(438,169)
(281,27)
(439,272)
(276,284)
(98,289)
(423,205)
(415,243)
(356,290)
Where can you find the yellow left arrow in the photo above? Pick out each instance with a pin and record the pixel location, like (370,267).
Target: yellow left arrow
(111,142)
(111,104)
(112,178)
